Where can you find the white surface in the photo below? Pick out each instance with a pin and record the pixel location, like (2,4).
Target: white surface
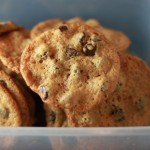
(133,138)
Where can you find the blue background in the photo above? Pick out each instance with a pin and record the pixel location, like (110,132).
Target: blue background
(130,16)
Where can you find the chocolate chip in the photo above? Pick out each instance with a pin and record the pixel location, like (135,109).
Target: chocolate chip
(43,57)
(115,110)
(120,118)
(2,82)
(52,117)
(118,113)
(63,28)
(84,39)
(140,104)
(44,91)
(89,49)
(70,52)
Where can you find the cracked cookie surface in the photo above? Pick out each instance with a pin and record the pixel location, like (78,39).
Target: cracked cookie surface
(75,68)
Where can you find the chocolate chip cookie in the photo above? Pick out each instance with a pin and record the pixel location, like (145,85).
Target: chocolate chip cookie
(72,66)
(127,106)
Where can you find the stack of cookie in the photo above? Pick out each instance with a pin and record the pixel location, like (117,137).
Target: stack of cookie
(17,107)
(81,70)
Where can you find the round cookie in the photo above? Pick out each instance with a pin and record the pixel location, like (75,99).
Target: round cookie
(17,93)
(9,110)
(117,38)
(55,117)
(43,26)
(8,26)
(72,66)
(128,105)
(11,48)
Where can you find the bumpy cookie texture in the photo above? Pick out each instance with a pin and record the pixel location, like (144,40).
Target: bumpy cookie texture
(127,106)
(11,47)
(55,117)
(117,38)
(14,88)
(8,26)
(44,25)
(74,68)
(9,110)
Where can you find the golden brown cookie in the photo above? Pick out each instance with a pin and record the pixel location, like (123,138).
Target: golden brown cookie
(8,26)
(43,26)
(17,93)
(11,47)
(9,111)
(55,117)
(117,38)
(127,106)
(72,66)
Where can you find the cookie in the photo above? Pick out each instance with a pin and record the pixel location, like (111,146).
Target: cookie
(117,38)
(55,117)
(72,66)
(43,26)
(17,93)
(9,110)
(8,26)
(11,49)
(127,106)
